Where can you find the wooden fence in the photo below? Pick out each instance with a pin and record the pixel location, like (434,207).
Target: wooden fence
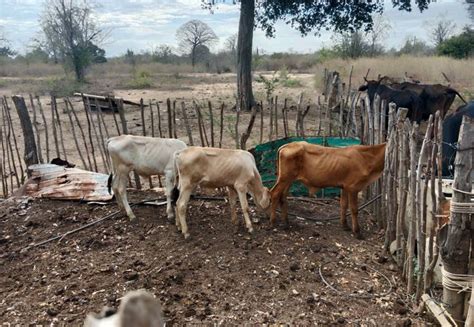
(76,129)
(411,210)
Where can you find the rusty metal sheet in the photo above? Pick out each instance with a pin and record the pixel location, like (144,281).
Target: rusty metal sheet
(57,182)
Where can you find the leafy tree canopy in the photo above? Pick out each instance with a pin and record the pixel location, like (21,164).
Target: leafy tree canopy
(460,46)
(311,16)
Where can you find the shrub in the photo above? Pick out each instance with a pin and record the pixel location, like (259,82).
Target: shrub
(141,80)
(61,87)
(460,46)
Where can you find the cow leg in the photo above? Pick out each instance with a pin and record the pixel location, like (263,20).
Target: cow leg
(344,203)
(284,205)
(181,205)
(119,185)
(354,210)
(277,193)
(242,192)
(232,202)
(169,184)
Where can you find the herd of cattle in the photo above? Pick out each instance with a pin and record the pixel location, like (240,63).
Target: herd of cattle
(351,169)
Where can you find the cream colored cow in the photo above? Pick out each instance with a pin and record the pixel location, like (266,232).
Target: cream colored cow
(146,156)
(212,168)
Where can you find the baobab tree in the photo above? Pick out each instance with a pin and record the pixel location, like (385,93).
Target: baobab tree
(194,35)
(306,17)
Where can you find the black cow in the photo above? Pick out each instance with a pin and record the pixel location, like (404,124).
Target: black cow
(435,97)
(61,162)
(451,127)
(402,98)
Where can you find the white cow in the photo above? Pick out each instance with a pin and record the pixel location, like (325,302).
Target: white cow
(146,156)
(137,308)
(213,168)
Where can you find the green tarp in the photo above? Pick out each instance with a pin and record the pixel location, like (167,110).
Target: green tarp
(266,154)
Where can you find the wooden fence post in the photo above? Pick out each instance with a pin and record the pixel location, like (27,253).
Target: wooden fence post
(74,136)
(11,132)
(211,118)
(61,135)
(31,156)
(186,123)
(412,225)
(221,132)
(158,114)
(35,126)
(89,130)
(170,118)
(456,236)
(245,136)
(420,226)
(84,140)
(45,127)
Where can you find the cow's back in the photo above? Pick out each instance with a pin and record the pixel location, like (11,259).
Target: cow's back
(212,167)
(145,155)
(318,166)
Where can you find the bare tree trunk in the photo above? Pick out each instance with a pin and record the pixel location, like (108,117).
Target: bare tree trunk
(245,99)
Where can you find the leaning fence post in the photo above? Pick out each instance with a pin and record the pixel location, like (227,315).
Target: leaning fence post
(456,236)
(31,156)
(35,126)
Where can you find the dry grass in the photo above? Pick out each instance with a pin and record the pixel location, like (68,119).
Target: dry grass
(426,69)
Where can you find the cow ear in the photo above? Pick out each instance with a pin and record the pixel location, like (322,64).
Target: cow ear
(363,88)
(365,79)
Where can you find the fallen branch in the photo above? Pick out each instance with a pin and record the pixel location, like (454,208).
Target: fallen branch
(443,317)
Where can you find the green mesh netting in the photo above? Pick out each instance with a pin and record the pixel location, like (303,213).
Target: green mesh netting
(266,154)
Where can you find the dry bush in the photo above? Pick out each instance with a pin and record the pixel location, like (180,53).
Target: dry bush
(12,68)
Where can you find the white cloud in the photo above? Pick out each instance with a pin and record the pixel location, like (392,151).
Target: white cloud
(137,24)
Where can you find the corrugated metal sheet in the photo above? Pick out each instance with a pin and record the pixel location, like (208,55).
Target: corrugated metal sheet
(57,182)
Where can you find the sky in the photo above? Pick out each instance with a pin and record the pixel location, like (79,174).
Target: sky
(143,24)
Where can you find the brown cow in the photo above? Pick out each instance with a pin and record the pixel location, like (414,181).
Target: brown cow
(351,169)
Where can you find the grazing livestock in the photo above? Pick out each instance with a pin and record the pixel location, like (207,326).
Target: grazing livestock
(402,98)
(435,97)
(137,308)
(212,168)
(146,156)
(451,127)
(351,169)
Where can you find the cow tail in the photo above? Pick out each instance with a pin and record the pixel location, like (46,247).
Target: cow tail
(109,182)
(450,90)
(175,191)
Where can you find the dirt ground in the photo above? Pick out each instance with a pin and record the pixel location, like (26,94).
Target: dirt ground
(222,275)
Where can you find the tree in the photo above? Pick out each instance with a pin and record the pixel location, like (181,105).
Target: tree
(305,16)
(230,44)
(351,45)
(5,49)
(415,46)
(378,33)
(193,34)
(460,46)
(68,26)
(441,31)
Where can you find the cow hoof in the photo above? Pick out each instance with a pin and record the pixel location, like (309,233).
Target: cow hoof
(186,236)
(345,227)
(250,230)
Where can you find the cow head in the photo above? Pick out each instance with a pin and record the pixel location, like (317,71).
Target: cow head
(263,203)
(371,87)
